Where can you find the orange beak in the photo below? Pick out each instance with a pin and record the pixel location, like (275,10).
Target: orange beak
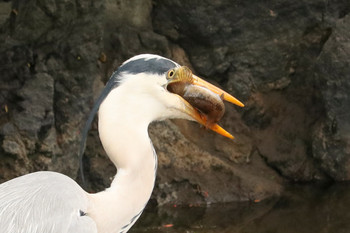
(201,119)
(184,75)
(226,96)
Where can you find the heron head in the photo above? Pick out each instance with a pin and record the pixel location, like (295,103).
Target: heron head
(172,91)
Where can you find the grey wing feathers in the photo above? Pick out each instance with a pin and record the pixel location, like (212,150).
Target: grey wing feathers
(44,202)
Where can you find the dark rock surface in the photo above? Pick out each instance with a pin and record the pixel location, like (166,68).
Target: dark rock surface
(287,61)
(331,136)
(48,66)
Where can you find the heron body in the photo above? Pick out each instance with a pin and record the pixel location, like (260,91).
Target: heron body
(50,202)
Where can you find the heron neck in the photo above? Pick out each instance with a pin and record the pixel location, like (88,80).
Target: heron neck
(123,128)
(126,142)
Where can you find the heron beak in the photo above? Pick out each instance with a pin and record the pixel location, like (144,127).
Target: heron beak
(202,119)
(180,78)
(223,94)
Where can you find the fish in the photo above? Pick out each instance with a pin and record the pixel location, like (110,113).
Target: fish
(209,104)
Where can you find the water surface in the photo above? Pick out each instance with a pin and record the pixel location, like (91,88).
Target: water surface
(299,210)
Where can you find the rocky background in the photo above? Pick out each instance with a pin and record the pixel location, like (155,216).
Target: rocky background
(288,61)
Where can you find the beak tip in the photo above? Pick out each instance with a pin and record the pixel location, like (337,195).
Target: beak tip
(238,103)
(218,129)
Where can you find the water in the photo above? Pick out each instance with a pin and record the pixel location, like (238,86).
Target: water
(299,210)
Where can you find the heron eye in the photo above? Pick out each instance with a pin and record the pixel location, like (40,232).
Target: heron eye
(171,74)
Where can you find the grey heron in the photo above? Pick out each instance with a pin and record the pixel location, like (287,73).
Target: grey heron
(135,95)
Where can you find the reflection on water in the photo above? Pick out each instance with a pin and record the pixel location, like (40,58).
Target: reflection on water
(301,210)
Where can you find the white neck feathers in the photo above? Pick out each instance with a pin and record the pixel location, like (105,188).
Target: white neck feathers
(125,139)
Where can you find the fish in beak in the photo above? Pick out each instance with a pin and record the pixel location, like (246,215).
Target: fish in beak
(203,101)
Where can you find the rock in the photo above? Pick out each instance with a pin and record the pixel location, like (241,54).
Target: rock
(36,106)
(189,173)
(257,53)
(5,9)
(287,61)
(45,57)
(330,143)
(12,147)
